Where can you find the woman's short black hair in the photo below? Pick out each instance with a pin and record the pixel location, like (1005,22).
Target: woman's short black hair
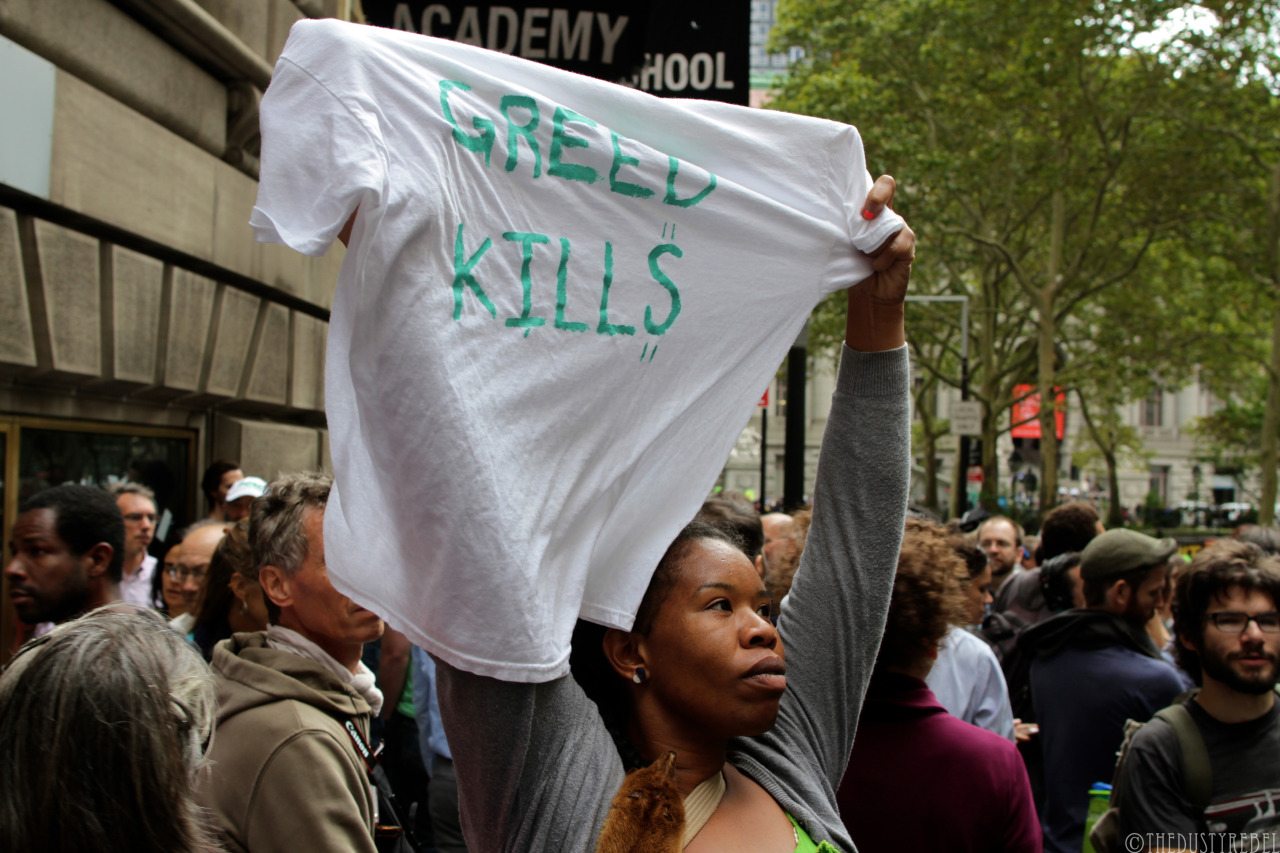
(1056,583)
(668,570)
(740,521)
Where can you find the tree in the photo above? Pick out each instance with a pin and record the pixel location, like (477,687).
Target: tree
(1229,437)
(998,357)
(1035,137)
(1174,327)
(1228,59)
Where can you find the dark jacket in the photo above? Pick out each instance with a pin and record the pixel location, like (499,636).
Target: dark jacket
(1090,671)
(1086,629)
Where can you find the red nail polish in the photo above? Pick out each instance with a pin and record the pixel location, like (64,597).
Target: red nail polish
(866,214)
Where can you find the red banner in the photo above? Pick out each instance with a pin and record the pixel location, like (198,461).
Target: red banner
(1026,412)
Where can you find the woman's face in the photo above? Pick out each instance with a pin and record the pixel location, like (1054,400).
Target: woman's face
(714,659)
(978,596)
(171,588)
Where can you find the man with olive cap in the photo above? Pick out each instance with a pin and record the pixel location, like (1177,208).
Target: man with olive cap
(1092,669)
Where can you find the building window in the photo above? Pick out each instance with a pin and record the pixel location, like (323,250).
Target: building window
(1158,482)
(1153,410)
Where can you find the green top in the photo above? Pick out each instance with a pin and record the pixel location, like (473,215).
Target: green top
(805,843)
(405,705)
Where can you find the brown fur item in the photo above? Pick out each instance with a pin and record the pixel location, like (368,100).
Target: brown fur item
(647,813)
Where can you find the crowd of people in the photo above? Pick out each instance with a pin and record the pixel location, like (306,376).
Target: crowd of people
(843,676)
(996,696)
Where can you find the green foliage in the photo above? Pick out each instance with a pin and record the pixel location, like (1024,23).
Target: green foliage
(918,433)
(1153,509)
(1121,440)
(1228,438)
(1100,177)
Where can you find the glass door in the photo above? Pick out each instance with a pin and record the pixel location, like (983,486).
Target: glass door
(40,453)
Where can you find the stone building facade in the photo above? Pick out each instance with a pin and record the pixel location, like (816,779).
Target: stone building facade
(145,332)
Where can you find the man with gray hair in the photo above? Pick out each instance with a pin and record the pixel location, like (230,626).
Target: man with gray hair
(137,506)
(294,701)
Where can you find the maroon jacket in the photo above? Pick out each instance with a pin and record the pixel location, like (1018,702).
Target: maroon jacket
(921,780)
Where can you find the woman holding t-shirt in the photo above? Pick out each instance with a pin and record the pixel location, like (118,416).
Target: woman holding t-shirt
(761,719)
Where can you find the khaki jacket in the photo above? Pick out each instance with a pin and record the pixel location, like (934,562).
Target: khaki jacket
(284,774)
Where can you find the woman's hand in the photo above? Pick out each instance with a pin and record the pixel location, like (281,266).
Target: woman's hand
(875,320)
(892,261)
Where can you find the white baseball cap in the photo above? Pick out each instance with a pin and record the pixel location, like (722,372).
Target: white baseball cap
(246,487)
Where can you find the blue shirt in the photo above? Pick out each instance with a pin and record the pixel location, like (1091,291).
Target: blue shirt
(431,739)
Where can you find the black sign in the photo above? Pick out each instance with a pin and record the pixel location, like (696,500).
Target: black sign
(673,48)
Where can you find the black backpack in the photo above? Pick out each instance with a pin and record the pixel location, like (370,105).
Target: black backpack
(1197,774)
(1002,631)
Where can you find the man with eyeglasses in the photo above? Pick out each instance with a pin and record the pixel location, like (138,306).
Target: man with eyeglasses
(198,545)
(1228,634)
(137,506)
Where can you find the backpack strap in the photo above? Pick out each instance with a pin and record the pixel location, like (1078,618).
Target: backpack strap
(1197,772)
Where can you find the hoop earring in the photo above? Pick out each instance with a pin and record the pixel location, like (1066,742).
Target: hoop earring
(640,676)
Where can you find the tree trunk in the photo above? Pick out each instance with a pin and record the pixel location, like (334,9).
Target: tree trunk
(987,360)
(927,407)
(1271,415)
(958,486)
(1270,429)
(989,496)
(1046,375)
(1115,515)
(1046,358)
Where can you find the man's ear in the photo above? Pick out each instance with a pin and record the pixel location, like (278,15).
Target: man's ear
(1189,643)
(276,586)
(1120,593)
(625,650)
(760,564)
(97,560)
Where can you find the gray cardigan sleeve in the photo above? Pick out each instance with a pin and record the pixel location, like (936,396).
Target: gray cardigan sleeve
(536,767)
(833,619)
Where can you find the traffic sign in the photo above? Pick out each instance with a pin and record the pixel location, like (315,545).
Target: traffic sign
(966,418)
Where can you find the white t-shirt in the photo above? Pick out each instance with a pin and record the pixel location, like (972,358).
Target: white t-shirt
(560,302)
(136,588)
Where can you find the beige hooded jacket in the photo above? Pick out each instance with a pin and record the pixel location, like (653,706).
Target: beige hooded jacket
(284,773)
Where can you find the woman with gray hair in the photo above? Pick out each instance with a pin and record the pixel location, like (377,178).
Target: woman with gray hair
(103,723)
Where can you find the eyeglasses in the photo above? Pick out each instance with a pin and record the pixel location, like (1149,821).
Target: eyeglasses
(135,517)
(181,573)
(1233,622)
